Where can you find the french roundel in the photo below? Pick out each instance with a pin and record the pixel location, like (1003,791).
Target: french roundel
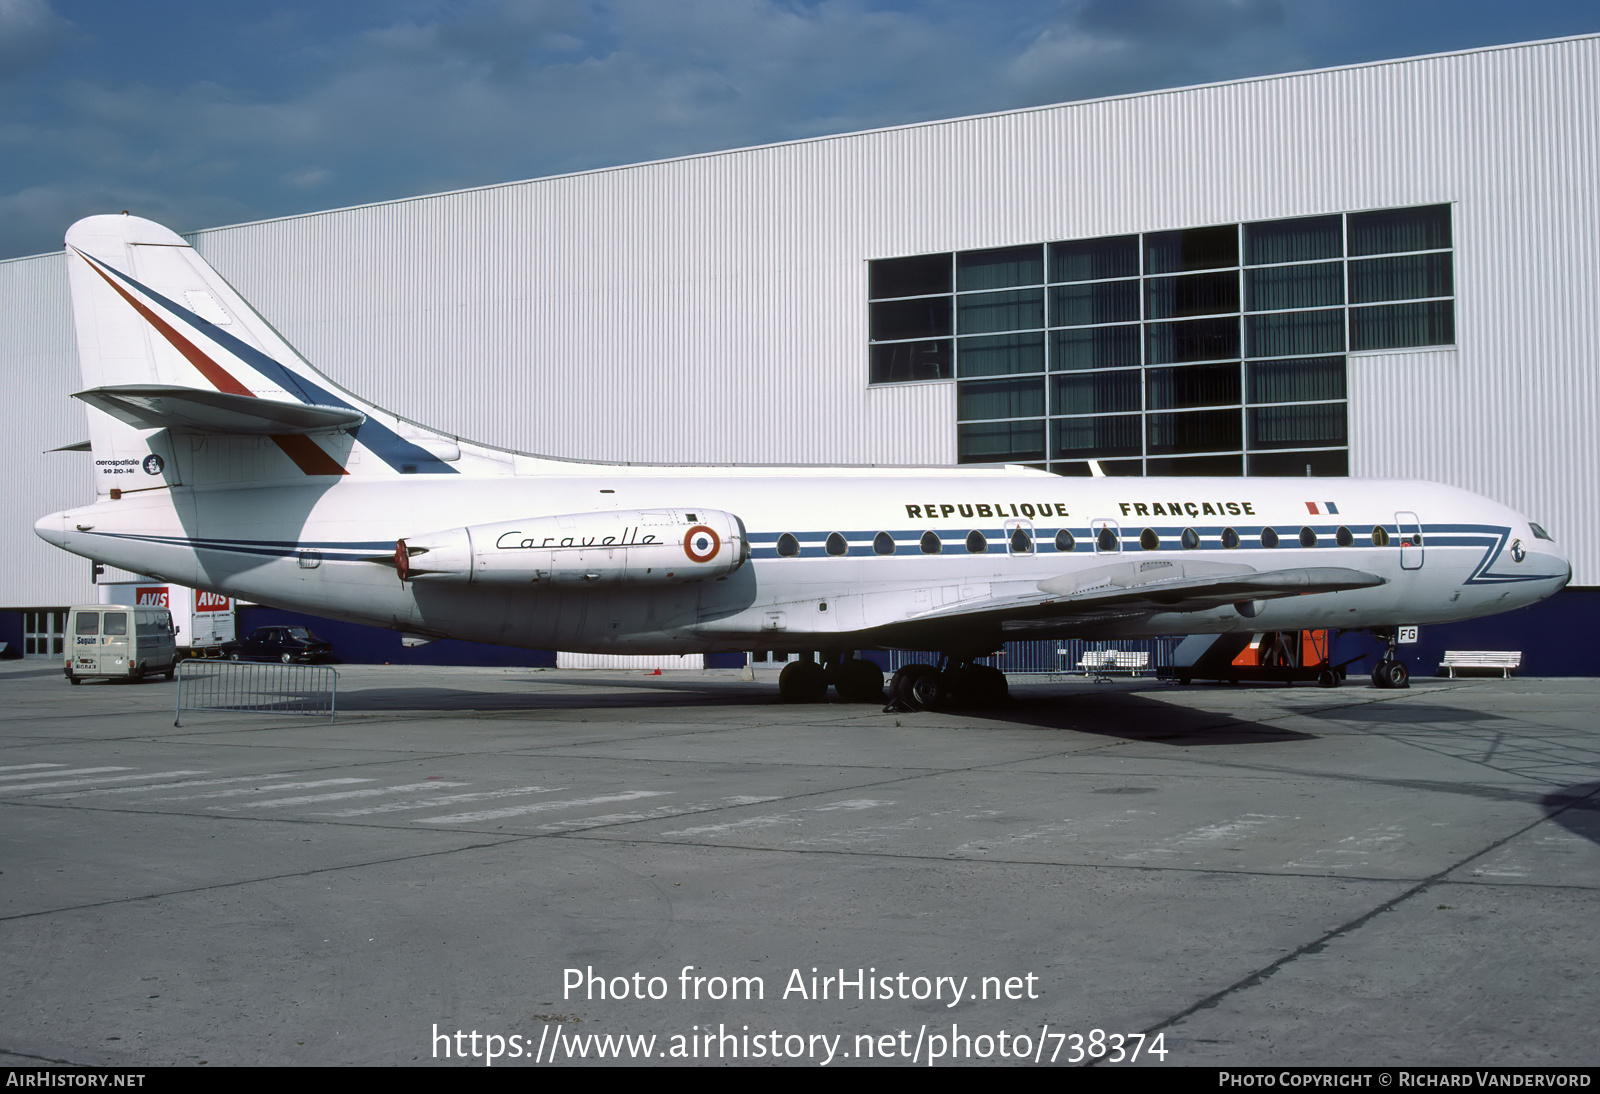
(701,544)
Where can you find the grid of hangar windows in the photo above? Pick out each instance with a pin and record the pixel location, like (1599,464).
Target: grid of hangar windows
(1199,351)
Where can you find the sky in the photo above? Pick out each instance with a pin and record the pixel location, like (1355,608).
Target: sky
(204,114)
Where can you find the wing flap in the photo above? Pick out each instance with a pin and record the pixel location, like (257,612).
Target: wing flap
(194,410)
(1133,589)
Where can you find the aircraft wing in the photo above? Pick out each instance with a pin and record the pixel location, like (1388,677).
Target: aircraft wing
(1128,590)
(193,410)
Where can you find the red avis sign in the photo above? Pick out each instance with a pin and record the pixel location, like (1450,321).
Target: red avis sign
(210,602)
(151,596)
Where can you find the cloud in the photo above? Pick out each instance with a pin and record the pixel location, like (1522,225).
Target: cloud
(29,33)
(351,103)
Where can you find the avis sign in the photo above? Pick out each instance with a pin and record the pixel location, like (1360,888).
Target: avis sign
(210,602)
(152,596)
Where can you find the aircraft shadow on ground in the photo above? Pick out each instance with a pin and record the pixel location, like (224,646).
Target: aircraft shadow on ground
(1576,808)
(1411,714)
(1121,714)
(1136,717)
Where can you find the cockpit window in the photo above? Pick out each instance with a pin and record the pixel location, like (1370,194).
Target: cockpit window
(1538,532)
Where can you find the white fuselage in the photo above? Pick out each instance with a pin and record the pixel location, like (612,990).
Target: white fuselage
(319,549)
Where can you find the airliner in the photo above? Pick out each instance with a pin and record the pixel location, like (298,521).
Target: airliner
(226,462)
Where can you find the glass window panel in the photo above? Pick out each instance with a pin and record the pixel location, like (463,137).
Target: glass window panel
(922,275)
(1196,465)
(1094,347)
(1092,259)
(1192,340)
(996,356)
(897,319)
(1296,332)
(1096,392)
(1294,287)
(1296,464)
(1091,438)
(1197,385)
(1405,278)
(116,622)
(1195,431)
(981,313)
(89,623)
(1298,380)
(1395,326)
(1421,229)
(1199,294)
(1000,442)
(977,399)
(1298,240)
(1103,302)
(1191,249)
(1000,268)
(1302,426)
(902,362)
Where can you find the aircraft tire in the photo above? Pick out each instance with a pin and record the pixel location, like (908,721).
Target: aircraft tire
(929,692)
(859,681)
(802,682)
(901,689)
(1399,675)
(979,686)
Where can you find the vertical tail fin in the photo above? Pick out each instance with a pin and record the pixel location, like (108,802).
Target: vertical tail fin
(178,367)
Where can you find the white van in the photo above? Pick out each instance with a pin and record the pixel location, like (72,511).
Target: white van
(119,640)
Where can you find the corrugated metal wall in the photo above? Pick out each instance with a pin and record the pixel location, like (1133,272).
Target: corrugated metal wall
(713,308)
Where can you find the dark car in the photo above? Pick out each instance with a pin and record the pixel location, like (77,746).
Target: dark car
(286,644)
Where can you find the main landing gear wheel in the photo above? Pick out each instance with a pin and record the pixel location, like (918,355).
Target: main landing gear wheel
(858,681)
(1391,674)
(903,690)
(802,682)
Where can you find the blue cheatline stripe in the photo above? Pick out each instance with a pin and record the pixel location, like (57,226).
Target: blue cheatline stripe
(354,551)
(388,445)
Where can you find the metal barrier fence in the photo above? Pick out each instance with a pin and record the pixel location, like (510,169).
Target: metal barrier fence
(1061,657)
(249,687)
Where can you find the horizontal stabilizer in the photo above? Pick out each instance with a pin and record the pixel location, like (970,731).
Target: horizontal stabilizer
(194,410)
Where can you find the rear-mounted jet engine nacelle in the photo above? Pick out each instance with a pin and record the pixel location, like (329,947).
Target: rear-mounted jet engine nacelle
(630,547)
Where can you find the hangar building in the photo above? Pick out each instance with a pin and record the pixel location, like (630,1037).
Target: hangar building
(1380,270)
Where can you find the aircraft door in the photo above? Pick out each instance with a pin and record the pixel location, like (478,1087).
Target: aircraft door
(1107,536)
(1410,528)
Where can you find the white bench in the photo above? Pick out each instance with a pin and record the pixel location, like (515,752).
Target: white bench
(1104,664)
(1504,660)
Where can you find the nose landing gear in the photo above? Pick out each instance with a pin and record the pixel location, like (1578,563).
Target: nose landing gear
(1391,672)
